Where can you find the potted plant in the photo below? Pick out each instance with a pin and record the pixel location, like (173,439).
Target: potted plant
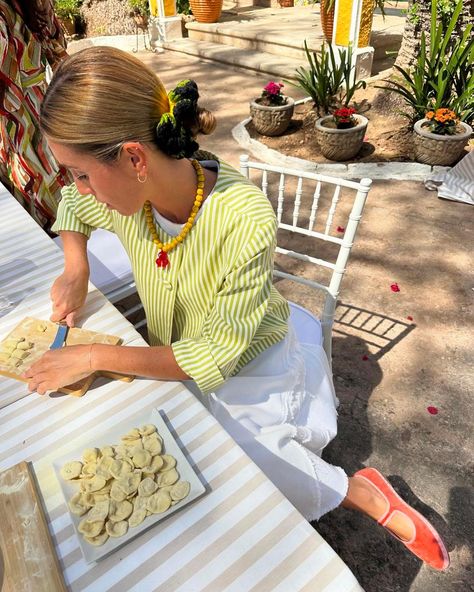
(340,135)
(272,112)
(206,11)
(286,3)
(329,80)
(67,12)
(440,138)
(140,11)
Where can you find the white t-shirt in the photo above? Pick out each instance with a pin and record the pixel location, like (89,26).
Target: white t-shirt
(174,228)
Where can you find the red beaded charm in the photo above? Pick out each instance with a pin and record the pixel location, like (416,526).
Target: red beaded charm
(162,259)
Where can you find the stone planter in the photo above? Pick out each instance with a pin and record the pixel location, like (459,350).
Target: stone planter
(340,144)
(272,121)
(435,149)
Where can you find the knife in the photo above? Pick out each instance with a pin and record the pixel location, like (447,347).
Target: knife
(61,335)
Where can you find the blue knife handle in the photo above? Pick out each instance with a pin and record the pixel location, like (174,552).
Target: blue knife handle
(60,337)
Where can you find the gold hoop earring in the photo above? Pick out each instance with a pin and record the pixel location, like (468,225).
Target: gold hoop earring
(140,179)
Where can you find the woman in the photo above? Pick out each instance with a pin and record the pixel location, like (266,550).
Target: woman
(30,41)
(200,238)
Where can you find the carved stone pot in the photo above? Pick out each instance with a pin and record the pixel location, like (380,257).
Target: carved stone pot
(436,149)
(273,120)
(340,144)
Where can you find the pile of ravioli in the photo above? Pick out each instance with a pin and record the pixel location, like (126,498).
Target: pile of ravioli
(14,351)
(120,485)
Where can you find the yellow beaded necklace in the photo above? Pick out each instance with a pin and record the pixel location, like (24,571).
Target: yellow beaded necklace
(162,260)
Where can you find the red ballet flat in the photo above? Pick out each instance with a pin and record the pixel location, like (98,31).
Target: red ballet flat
(426,544)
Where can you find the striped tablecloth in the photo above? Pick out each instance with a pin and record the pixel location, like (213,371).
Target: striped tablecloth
(241,535)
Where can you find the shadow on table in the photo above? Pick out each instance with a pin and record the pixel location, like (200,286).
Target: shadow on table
(379,561)
(11,273)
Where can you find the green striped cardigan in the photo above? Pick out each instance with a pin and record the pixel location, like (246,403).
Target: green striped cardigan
(215,302)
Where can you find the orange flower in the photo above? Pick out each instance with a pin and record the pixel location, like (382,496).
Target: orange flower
(429,115)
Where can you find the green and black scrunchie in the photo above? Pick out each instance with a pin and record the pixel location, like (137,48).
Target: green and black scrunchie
(174,130)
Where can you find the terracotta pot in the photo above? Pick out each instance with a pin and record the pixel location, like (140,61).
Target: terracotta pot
(327,20)
(286,3)
(206,11)
(340,144)
(272,121)
(435,149)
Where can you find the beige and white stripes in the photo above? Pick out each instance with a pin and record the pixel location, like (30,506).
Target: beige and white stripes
(241,536)
(215,303)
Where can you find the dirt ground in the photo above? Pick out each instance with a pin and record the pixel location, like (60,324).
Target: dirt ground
(409,236)
(388,137)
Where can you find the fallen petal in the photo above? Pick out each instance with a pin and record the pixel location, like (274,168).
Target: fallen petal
(340,229)
(394,287)
(365,357)
(409,318)
(432,410)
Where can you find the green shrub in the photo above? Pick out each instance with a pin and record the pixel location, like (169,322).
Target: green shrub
(182,7)
(443,75)
(67,9)
(139,7)
(329,80)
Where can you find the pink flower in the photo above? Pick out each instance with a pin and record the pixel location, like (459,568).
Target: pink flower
(273,88)
(432,410)
(394,287)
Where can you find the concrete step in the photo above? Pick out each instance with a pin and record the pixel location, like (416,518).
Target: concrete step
(282,37)
(283,31)
(270,64)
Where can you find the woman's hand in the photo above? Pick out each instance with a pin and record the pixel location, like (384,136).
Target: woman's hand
(59,367)
(68,295)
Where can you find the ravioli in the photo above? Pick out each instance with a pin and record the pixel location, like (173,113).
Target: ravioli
(120,485)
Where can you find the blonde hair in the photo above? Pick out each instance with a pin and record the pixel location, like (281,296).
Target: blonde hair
(101,97)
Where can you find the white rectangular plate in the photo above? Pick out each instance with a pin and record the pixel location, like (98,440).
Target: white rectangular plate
(112,437)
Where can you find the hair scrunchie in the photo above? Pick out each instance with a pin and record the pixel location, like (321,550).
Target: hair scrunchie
(174,130)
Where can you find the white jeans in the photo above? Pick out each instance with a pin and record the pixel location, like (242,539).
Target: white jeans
(281,409)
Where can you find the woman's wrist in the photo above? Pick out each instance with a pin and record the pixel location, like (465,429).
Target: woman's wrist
(91,361)
(77,269)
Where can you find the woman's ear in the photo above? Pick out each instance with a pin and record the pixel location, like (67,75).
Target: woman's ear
(135,155)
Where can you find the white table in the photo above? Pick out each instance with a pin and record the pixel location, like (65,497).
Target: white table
(243,535)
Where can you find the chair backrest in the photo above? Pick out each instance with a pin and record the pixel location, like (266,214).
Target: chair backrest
(323,195)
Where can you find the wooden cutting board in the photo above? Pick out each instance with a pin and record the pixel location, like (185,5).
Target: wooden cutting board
(29,560)
(40,334)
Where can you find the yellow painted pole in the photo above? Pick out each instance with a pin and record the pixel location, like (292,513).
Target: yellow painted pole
(343,22)
(169,8)
(153,7)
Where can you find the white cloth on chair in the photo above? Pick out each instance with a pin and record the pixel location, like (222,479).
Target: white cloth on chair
(281,409)
(457,184)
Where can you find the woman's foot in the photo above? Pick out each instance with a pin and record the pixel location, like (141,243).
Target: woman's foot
(365,497)
(370,493)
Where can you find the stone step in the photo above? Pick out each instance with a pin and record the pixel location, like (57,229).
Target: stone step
(270,64)
(283,31)
(283,37)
